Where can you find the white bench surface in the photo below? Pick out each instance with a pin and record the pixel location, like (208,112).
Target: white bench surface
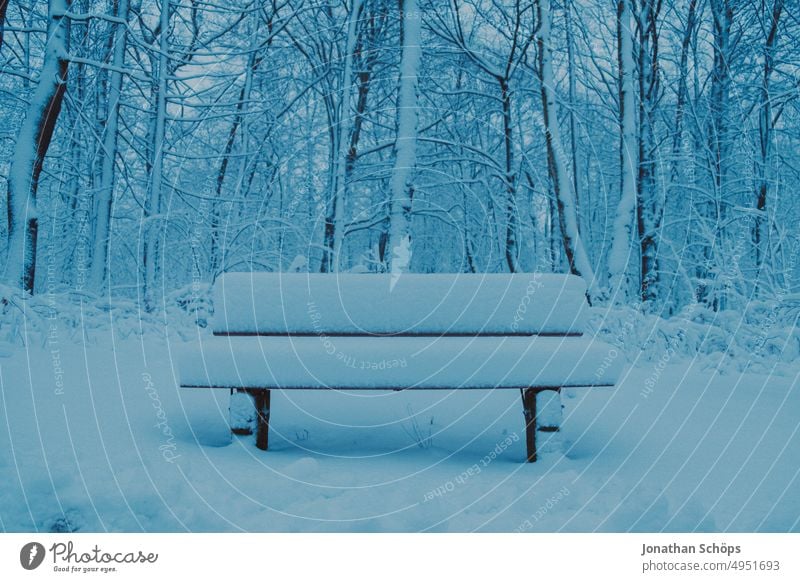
(411,304)
(453,362)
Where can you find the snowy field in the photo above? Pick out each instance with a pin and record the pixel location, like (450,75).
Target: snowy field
(97,437)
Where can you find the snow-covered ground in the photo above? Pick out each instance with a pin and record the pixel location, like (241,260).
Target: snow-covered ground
(98,437)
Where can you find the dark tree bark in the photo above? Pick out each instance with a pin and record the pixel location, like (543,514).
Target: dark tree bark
(31,148)
(766,124)
(3,8)
(648,210)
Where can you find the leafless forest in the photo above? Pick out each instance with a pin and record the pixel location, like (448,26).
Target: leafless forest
(650,146)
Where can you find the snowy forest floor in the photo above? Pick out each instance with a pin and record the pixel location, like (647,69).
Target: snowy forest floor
(96,436)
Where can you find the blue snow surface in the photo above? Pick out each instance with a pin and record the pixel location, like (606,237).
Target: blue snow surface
(97,436)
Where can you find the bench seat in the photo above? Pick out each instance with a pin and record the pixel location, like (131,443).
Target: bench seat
(380,363)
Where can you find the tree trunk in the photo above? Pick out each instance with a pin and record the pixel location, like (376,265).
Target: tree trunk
(152,233)
(719,139)
(31,148)
(682,92)
(581,201)
(511,246)
(622,236)
(648,210)
(217,249)
(105,194)
(366,48)
(335,214)
(766,125)
(562,183)
(77,192)
(405,148)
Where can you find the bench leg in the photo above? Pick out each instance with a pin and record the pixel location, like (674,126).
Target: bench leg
(261,402)
(542,409)
(529,410)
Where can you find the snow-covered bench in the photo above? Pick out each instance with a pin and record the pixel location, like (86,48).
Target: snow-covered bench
(524,332)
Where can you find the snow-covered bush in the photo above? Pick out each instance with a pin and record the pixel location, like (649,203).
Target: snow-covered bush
(27,320)
(765,334)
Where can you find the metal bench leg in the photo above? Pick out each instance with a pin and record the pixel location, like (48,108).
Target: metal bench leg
(542,409)
(529,410)
(261,402)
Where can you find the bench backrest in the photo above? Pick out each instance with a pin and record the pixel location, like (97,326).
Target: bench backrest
(409,304)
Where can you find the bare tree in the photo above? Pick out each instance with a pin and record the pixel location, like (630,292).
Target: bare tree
(648,207)
(335,202)
(516,42)
(405,148)
(33,142)
(559,175)
(104,202)
(766,125)
(622,241)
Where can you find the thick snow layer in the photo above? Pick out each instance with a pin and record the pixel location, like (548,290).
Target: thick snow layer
(410,303)
(765,338)
(98,436)
(397,362)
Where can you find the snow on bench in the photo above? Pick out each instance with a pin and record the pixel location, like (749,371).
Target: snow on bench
(525,304)
(389,363)
(415,332)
